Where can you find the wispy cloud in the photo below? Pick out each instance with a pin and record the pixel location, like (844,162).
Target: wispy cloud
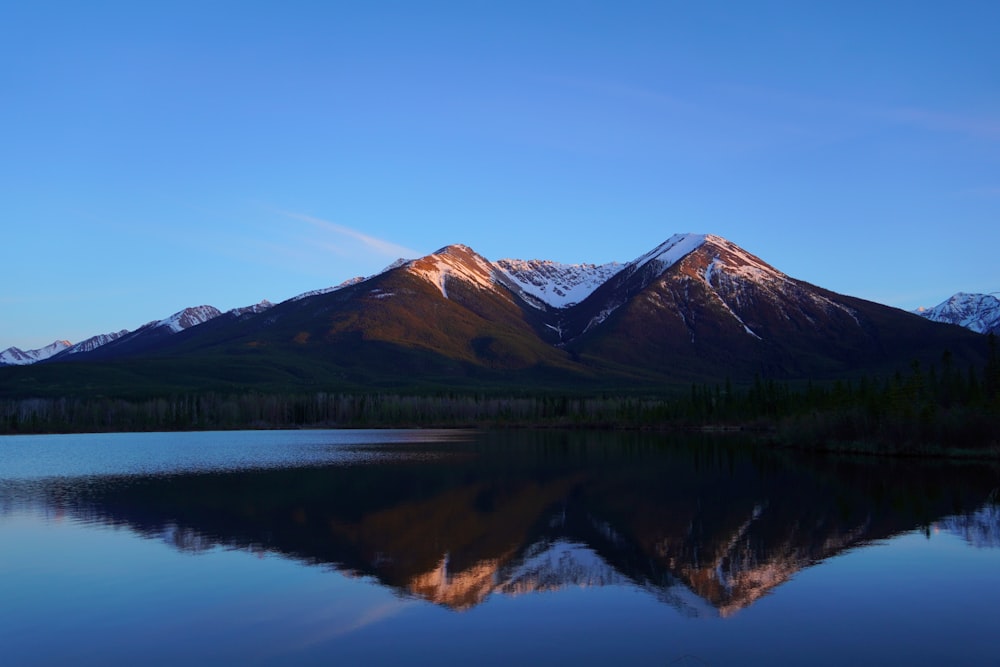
(369,243)
(826,110)
(988,191)
(624,91)
(928,119)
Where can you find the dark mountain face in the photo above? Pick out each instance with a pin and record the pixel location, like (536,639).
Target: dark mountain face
(721,311)
(695,308)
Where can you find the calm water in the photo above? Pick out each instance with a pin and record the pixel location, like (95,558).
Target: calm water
(424,547)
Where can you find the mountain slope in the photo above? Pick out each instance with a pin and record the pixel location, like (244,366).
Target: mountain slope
(701,305)
(148,337)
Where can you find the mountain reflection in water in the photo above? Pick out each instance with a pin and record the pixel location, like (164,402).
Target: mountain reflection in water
(706,526)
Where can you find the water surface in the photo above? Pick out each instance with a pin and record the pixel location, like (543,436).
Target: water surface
(445,547)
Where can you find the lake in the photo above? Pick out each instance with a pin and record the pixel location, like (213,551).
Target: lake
(497,548)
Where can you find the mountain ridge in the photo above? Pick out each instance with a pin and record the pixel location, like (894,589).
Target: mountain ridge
(696,306)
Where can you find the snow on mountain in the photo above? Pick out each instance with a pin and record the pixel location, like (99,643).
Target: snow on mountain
(558,285)
(978,312)
(738,262)
(645,268)
(350,281)
(176,323)
(546,566)
(732,269)
(738,281)
(188,318)
(252,310)
(95,342)
(14,356)
(395,265)
(454,261)
(669,252)
(326,290)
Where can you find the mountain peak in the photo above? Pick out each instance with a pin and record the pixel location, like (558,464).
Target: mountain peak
(451,262)
(455,249)
(188,318)
(978,312)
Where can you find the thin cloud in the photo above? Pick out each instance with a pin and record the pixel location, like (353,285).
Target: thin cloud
(375,245)
(988,192)
(977,127)
(827,109)
(623,91)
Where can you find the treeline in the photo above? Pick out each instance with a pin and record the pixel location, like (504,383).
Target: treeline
(252,410)
(937,408)
(924,410)
(372,410)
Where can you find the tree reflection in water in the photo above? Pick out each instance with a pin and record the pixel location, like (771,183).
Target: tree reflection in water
(707,526)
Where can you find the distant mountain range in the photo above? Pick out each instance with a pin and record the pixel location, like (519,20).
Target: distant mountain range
(695,307)
(176,323)
(978,312)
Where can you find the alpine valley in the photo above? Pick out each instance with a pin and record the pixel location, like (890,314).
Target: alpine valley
(696,308)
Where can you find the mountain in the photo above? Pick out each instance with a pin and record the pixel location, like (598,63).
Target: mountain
(699,304)
(978,312)
(695,308)
(14,356)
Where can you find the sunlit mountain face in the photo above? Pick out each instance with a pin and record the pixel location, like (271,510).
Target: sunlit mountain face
(705,526)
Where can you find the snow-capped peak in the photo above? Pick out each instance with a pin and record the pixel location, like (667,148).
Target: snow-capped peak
(454,261)
(558,285)
(978,312)
(188,318)
(14,356)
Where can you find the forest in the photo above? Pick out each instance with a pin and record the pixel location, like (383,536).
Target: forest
(935,410)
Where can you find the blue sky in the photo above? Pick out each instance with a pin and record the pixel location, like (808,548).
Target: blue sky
(162,155)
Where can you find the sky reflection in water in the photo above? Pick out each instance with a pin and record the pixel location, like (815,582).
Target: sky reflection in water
(488,548)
